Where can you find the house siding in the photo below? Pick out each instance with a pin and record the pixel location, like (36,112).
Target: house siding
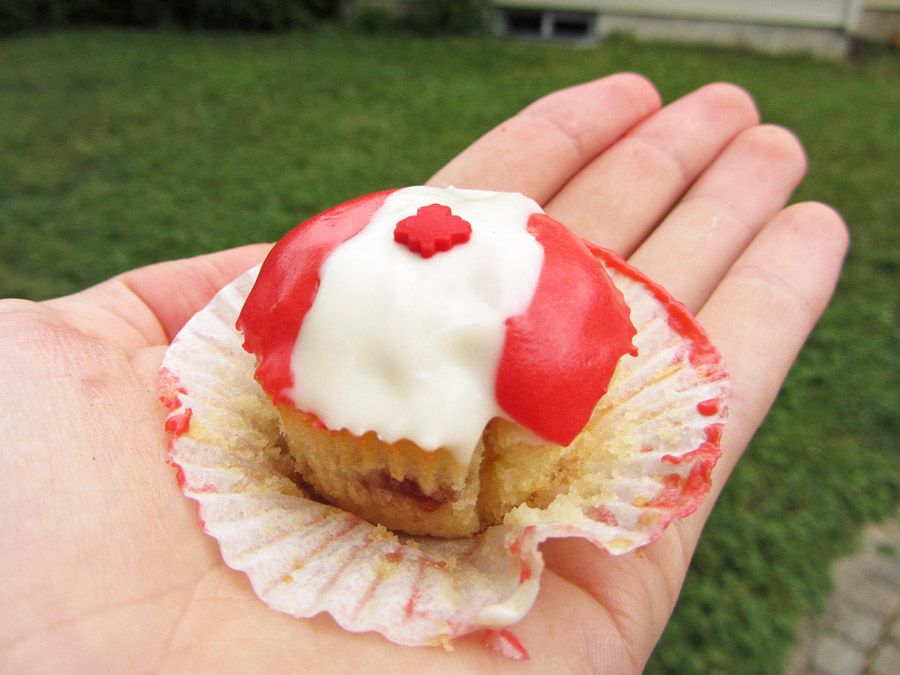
(823,27)
(813,13)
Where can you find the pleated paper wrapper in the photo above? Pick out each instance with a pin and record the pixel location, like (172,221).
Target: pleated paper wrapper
(659,424)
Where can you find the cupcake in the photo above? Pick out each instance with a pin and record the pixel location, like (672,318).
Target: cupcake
(395,446)
(435,355)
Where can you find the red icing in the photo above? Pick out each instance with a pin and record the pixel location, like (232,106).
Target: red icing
(602,514)
(682,494)
(506,644)
(714,434)
(369,594)
(709,407)
(669,494)
(169,390)
(415,593)
(432,230)
(515,548)
(412,601)
(702,352)
(560,355)
(179,423)
(171,399)
(697,485)
(287,285)
(180,477)
(708,451)
(525,573)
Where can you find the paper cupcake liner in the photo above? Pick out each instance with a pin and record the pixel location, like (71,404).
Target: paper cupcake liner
(660,424)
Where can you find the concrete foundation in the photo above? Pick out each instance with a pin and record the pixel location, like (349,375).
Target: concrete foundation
(825,42)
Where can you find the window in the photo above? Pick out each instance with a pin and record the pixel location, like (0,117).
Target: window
(573,26)
(522,22)
(548,25)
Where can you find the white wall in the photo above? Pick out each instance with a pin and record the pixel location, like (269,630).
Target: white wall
(812,13)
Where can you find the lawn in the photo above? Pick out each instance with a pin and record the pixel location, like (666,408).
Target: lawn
(121,148)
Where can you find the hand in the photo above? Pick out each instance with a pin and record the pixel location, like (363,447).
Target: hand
(105,567)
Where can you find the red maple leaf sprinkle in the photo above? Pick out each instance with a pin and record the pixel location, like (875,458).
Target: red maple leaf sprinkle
(433,229)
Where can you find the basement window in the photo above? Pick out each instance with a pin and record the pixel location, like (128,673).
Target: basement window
(522,23)
(548,25)
(573,26)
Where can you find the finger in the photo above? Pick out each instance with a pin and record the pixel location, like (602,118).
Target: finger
(693,248)
(760,316)
(619,197)
(157,300)
(637,591)
(537,151)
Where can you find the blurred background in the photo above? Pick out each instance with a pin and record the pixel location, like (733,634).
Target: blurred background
(144,130)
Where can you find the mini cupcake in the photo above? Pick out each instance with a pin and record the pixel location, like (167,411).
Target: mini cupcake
(436,382)
(435,355)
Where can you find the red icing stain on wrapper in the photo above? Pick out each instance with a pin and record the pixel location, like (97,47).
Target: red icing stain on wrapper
(178,423)
(709,407)
(506,644)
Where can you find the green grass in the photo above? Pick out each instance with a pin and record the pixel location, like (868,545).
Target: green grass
(121,148)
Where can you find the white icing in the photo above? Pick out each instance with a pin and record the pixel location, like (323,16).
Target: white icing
(408,347)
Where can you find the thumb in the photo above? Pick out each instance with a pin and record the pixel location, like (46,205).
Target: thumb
(157,300)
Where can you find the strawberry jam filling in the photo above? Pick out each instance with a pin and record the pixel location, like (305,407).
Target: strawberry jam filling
(409,487)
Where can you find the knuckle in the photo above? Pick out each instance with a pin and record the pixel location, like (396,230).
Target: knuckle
(782,297)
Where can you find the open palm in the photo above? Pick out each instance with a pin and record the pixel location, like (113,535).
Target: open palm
(104,565)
